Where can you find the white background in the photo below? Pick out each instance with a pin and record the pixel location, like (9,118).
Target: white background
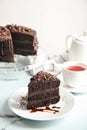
(52,19)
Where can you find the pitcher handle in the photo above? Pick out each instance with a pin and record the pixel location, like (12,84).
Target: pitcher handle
(66,42)
(85,33)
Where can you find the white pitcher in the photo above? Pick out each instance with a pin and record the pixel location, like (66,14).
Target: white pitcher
(77,48)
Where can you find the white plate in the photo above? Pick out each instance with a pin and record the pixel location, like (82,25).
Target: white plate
(65,107)
(76,90)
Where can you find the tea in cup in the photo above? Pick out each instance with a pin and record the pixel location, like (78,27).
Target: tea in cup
(77,48)
(74,74)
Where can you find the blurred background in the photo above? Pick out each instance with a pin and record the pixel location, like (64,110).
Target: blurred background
(52,19)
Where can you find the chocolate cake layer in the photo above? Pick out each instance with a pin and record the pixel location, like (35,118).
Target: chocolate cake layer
(40,91)
(6,46)
(45,102)
(43,90)
(24,39)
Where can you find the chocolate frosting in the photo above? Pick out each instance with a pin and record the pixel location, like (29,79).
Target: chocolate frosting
(4,33)
(44,76)
(22,29)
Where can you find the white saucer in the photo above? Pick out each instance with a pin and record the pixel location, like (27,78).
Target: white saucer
(76,90)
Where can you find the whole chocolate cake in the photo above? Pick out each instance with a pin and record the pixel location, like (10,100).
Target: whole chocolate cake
(43,90)
(18,40)
(6,45)
(24,40)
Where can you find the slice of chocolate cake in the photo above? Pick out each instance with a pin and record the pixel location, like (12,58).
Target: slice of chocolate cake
(24,40)
(43,90)
(6,46)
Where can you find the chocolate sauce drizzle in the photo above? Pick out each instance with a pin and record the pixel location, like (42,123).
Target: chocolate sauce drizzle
(46,109)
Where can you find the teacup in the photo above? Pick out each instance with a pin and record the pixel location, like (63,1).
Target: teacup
(74,74)
(77,48)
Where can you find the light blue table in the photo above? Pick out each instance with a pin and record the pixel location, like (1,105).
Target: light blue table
(75,120)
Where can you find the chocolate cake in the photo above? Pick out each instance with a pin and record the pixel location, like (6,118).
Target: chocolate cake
(24,40)
(6,46)
(43,90)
